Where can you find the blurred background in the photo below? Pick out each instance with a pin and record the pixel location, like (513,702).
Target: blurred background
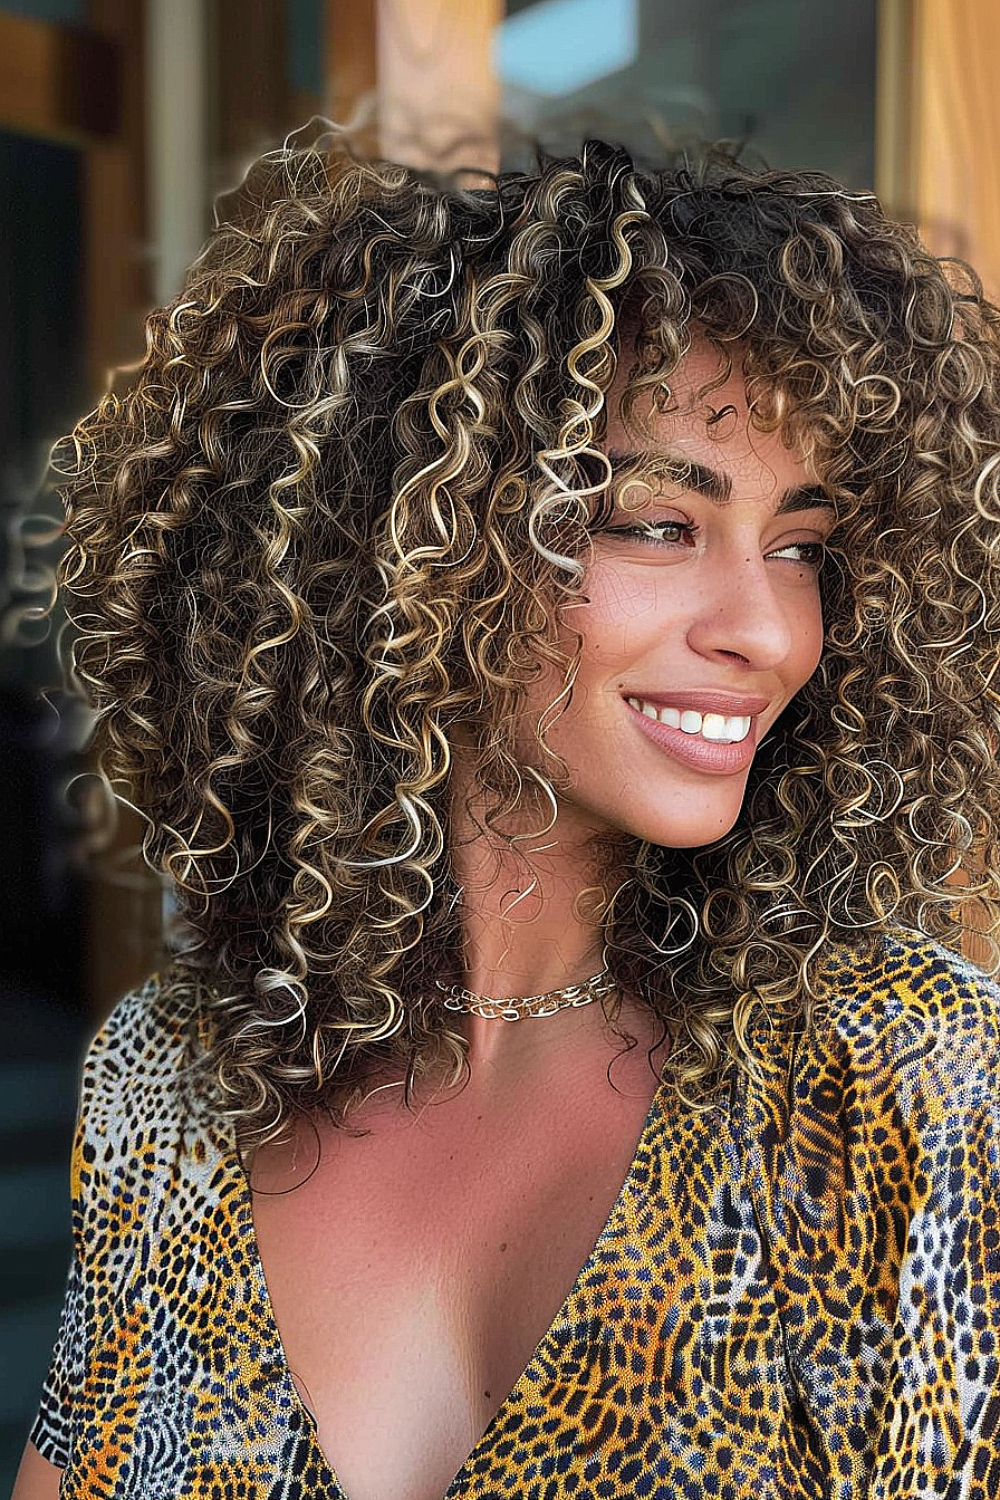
(120,120)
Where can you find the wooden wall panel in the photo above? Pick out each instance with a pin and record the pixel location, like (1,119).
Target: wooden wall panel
(938,147)
(958,131)
(63,82)
(250,78)
(938,155)
(425,69)
(350,58)
(84,85)
(439,92)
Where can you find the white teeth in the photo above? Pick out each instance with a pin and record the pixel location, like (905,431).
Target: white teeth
(717,728)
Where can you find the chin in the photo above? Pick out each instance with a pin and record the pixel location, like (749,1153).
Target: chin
(689,838)
(692,822)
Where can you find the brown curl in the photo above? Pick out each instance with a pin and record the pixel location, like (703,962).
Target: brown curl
(339,512)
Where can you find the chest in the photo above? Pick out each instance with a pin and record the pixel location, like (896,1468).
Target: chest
(413,1271)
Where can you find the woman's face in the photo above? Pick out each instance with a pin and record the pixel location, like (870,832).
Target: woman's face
(701,619)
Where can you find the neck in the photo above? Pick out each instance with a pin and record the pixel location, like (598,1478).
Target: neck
(532,922)
(532,918)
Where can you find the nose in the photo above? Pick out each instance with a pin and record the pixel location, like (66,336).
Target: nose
(742,615)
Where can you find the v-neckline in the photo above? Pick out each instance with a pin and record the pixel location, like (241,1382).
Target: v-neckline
(272,1334)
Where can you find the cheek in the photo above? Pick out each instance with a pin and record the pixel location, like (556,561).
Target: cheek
(625,607)
(810,636)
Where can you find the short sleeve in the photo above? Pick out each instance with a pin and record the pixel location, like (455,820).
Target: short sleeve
(52,1431)
(96,1255)
(875,1163)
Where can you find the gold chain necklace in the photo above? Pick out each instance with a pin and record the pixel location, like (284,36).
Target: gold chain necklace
(514,1008)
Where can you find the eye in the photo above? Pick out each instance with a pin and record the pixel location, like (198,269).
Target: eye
(811,554)
(668,532)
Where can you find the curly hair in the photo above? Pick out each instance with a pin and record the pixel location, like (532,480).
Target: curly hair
(341,509)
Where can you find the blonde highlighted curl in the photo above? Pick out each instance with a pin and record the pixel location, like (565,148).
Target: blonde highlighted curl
(351,489)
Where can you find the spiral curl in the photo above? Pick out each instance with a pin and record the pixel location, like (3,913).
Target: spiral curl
(341,507)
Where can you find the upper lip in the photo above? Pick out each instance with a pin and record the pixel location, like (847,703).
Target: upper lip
(730,704)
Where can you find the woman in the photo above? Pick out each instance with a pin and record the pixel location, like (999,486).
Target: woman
(573,862)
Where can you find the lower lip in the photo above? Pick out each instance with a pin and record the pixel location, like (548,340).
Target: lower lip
(703,755)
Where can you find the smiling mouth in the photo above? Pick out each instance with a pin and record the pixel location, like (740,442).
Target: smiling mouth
(716,729)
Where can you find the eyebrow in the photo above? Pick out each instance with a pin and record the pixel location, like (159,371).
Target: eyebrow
(717,487)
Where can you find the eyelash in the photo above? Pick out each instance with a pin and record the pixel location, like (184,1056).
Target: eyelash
(813,553)
(645,533)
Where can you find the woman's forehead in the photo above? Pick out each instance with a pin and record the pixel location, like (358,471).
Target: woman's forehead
(700,366)
(711,429)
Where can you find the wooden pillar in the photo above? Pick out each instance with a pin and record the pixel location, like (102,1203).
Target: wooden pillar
(176,140)
(424,69)
(894,93)
(938,146)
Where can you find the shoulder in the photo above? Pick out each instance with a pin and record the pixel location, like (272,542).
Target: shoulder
(151,1033)
(148,1031)
(143,1081)
(884,1107)
(908,1013)
(903,973)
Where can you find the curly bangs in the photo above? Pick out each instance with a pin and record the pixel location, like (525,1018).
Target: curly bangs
(342,504)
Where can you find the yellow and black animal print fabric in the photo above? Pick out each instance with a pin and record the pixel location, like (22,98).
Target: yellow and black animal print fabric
(797,1294)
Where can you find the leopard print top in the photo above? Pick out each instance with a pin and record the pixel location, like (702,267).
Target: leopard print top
(797,1294)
